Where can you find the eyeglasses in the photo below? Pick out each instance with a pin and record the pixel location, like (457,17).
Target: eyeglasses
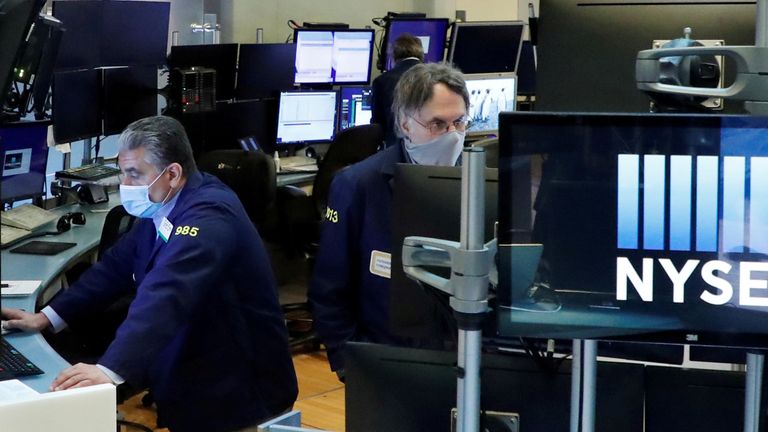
(439,127)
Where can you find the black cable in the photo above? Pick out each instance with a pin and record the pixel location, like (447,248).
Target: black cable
(134,425)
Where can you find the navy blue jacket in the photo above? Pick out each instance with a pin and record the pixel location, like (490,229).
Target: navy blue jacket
(382,94)
(205,332)
(349,301)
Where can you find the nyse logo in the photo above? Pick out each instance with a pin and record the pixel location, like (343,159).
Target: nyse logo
(686,207)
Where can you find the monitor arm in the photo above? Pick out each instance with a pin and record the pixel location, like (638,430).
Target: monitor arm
(471,270)
(751,84)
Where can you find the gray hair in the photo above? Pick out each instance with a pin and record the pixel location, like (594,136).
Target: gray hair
(164,142)
(416,86)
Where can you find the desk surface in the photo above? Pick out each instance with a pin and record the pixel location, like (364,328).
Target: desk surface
(47,269)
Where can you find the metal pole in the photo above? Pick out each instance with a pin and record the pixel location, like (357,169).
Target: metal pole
(761,27)
(470,334)
(87,151)
(589,368)
(754,381)
(576,386)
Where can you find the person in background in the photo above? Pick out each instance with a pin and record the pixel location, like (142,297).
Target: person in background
(407,52)
(205,332)
(349,291)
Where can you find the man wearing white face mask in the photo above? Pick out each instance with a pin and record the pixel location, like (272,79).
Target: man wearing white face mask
(349,292)
(205,331)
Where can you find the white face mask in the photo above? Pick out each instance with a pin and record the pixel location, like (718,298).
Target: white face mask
(443,150)
(136,199)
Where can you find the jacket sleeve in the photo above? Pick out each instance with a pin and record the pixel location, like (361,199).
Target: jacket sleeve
(184,271)
(334,288)
(103,283)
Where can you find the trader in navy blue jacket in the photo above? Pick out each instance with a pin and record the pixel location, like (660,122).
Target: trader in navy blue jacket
(407,53)
(205,332)
(349,292)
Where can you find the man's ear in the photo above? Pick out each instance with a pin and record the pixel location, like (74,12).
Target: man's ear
(404,127)
(176,174)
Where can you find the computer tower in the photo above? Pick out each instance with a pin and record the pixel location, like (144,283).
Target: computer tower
(193,90)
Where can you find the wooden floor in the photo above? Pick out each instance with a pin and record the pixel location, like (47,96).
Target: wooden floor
(321,397)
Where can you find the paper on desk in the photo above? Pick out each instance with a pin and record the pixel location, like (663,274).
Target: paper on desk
(15,390)
(19,288)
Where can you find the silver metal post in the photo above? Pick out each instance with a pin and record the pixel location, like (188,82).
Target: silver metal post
(576,386)
(761,27)
(470,338)
(754,381)
(87,151)
(589,384)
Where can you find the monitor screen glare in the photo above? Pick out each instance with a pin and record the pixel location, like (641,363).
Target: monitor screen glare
(306,117)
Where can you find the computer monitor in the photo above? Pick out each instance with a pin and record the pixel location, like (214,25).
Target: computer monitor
(489,95)
(129,93)
(24,157)
(587,50)
(76,105)
(403,389)
(526,70)
(431,32)
(306,116)
(355,109)
(333,56)
(654,227)
(483,47)
(16,17)
(264,70)
(222,58)
(112,33)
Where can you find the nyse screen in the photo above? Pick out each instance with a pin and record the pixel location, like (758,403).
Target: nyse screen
(653,227)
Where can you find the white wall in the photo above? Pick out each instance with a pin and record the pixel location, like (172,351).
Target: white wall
(489,10)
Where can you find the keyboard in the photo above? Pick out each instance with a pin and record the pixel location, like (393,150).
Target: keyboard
(296,164)
(90,172)
(13,364)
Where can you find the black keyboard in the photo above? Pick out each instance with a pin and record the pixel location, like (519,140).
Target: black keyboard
(13,364)
(91,172)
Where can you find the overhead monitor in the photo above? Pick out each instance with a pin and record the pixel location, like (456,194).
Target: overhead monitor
(431,32)
(263,70)
(333,56)
(587,50)
(76,105)
(222,58)
(489,95)
(129,93)
(112,33)
(16,17)
(654,227)
(355,109)
(306,116)
(489,46)
(24,156)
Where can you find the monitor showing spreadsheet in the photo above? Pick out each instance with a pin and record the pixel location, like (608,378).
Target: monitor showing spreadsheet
(355,106)
(306,116)
(333,56)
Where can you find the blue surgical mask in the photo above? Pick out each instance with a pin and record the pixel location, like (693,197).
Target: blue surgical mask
(136,199)
(443,150)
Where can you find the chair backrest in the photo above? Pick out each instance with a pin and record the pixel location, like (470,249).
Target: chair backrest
(117,223)
(250,174)
(350,146)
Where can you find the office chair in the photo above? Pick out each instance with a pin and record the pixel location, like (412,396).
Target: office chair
(251,175)
(350,146)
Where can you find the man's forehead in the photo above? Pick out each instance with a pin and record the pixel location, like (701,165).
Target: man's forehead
(131,158)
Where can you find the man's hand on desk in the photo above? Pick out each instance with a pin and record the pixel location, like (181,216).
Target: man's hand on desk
(79,375)
(21,320)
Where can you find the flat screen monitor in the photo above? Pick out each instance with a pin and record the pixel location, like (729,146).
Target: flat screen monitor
(263,70)
(76,105)
(24,156)
(355,109)
(130,93)
(482,47)
(587,50)
(489,95)
(431,31)
(653,227)
(222,58)
(526,70)
(404,389)
(112,33)
(333,56)
(16,17)
(306,116)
